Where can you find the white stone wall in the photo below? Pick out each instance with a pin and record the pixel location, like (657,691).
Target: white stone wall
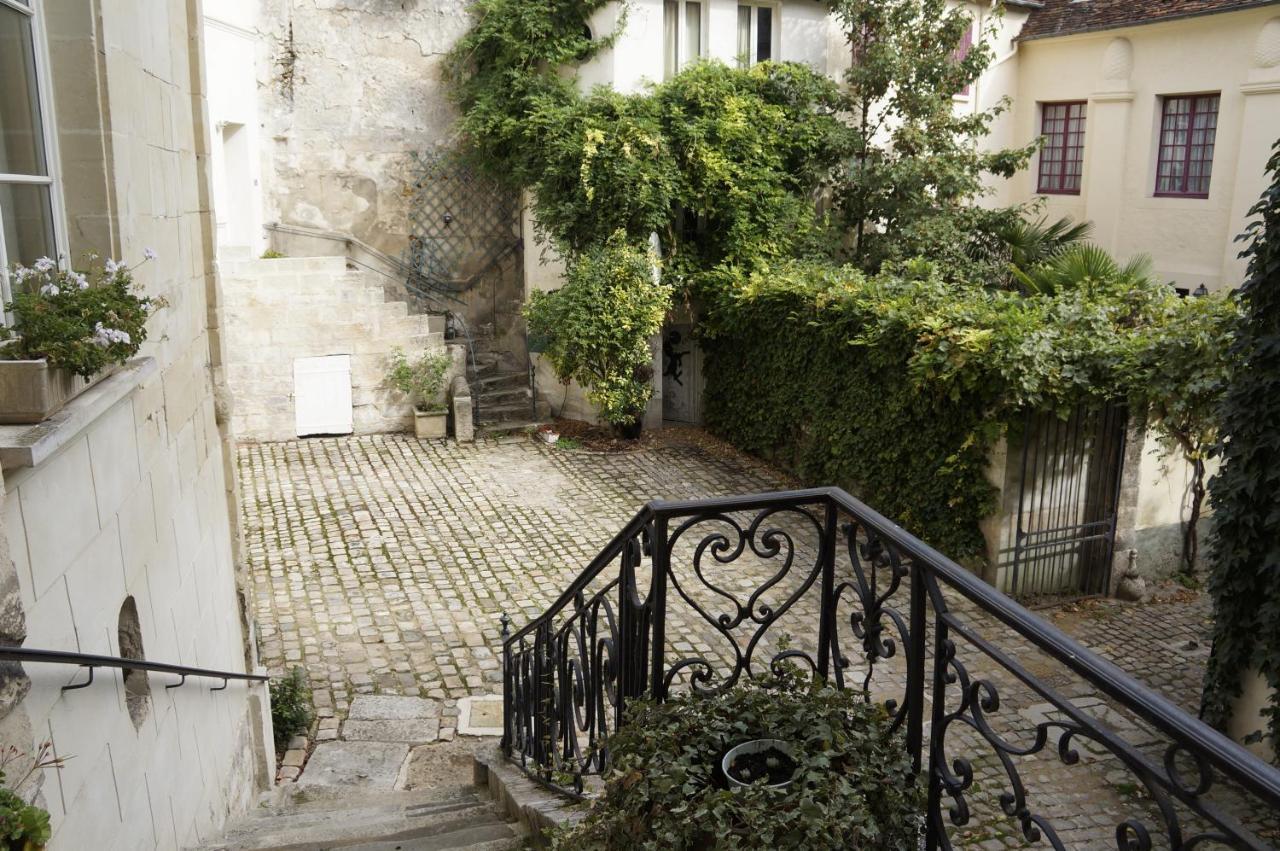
(276,311)
(137,503)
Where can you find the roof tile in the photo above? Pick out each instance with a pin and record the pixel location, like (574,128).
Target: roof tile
(1064,17)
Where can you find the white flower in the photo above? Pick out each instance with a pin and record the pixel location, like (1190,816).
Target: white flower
(50,290)
(111,267)
(44,264)
(21,273)
(149,253)
(81,281)
(104,337)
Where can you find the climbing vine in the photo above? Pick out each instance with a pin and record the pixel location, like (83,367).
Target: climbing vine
(898,384)
(1245,543)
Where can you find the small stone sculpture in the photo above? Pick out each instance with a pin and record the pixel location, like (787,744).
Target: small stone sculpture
(1132,588)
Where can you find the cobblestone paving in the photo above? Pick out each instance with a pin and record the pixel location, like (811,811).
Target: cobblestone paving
(383,564)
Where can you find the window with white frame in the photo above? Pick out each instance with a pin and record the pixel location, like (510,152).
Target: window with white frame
(759,32)
(30,209)
(681,34)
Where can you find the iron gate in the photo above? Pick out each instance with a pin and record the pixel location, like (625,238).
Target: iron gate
(1068,499)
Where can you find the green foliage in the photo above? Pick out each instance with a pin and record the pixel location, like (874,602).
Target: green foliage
(598,325)
(855,787)
(291,712)
(916,162)
(272,254)
(79,321)
(1244,576)
(897,385)
(422,379)
(1079,264)
(23,826)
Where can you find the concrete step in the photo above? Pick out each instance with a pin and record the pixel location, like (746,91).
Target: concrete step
(503,381)
(316,818)
(283,265)
(495,398)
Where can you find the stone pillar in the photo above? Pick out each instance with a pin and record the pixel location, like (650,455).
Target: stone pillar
(1247,718)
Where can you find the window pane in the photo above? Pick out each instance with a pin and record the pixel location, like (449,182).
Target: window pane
(764,34)
(670,27)
(21,142)
(693,30)
(27,214)
(744,35)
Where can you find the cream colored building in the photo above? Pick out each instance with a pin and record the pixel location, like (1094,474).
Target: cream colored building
(1138,74)
(118,527)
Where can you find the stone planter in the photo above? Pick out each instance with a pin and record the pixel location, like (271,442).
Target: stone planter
(31,391)
(430,424)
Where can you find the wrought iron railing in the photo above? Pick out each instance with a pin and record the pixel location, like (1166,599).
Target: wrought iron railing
(91,662)
(1018,729)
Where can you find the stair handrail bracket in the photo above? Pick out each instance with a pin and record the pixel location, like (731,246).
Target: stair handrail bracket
(696,595)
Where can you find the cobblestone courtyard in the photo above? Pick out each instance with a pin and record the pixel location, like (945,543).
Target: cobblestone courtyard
(383,565)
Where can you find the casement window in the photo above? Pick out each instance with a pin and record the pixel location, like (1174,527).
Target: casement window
(759,32)
(961,53)
(30,208)
(1188,127)
(1062,157)
(681,34)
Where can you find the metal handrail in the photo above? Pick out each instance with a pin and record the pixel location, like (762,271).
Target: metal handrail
(931,568)
(92,661)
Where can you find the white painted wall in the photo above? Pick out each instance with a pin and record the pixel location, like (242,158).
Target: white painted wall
(138,502)
(231,54)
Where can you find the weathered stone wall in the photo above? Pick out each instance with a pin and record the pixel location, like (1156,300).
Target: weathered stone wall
(349,89)
(137,503)
(275,311)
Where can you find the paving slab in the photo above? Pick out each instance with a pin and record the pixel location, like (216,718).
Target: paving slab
(480,716)
(388,707)
(413,731)
(356,764)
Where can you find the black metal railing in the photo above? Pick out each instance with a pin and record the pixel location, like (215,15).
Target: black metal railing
(1017,727)
(91,662)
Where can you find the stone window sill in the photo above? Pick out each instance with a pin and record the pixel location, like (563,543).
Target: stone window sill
(29,445)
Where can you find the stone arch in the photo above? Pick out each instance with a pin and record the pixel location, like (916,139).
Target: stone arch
(137,686)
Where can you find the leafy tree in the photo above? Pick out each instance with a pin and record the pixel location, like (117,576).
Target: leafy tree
(597,326)
(1244,576)
(916,162)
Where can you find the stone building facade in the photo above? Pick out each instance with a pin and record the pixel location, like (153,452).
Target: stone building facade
(118,530)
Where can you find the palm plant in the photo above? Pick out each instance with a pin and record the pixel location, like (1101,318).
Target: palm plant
(1029,243)
(1078,265)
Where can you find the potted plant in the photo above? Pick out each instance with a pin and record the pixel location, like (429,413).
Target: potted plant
(770,760)
(70,329)
(23,825)
(422,380)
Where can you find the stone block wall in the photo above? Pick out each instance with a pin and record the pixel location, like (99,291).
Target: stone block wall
(137,504)
(276,311)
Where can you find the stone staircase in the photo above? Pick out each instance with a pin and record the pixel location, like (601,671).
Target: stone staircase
(395,779)
(502,396)
(317,818)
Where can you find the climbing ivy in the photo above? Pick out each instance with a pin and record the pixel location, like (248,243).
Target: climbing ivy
(898,384)
(1244,574)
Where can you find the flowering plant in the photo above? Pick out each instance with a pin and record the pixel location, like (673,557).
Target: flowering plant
(81,321)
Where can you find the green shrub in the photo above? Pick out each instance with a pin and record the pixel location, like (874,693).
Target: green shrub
(291,712)
(854,788)
(422,380)
(81,321)
(897,386)
(597,326)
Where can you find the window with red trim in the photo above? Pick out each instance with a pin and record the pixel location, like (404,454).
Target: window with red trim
(1188,127)
(1062,157)
(961,53)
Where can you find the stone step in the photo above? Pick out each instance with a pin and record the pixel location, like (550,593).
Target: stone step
(335,265)
(355,819)
(513,411)
(490,398)
(503,381)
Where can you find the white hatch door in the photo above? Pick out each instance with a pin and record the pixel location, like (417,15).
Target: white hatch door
(322,395)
